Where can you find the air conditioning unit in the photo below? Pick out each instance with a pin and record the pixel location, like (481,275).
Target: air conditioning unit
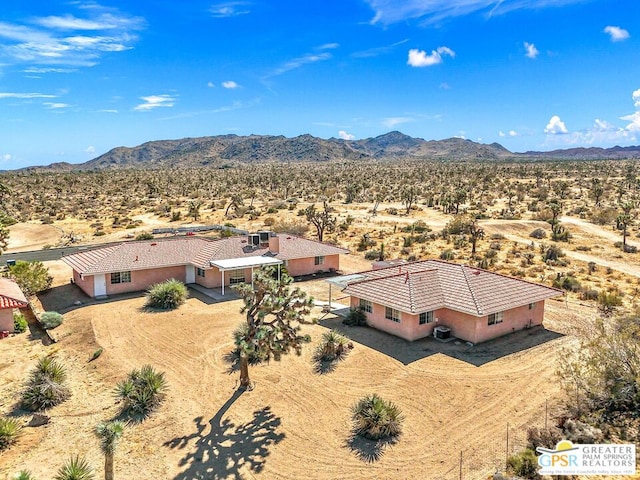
(264,238)
(253,239)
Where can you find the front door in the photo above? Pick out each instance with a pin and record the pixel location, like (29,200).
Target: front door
(190,274)
(100,285)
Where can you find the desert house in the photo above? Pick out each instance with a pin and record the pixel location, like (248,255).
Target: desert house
(412,300)
(11,298)
(212,263)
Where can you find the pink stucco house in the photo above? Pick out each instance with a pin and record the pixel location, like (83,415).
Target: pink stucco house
(212,263)
(11,297)
(412,299)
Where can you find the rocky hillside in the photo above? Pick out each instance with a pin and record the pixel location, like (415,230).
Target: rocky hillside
(592,153)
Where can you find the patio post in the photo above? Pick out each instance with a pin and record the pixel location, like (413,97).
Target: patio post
(251,276)
(222,273)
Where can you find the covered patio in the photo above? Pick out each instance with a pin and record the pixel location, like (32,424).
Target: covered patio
(242,264)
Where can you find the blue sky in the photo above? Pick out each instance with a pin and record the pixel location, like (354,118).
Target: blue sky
(78,78)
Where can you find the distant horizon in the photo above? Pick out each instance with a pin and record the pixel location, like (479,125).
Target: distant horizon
(77,78)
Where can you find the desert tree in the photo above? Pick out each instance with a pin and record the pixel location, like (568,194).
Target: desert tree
(596,191)
(274,312)
(555,207)
(4,238)
(322,220)
(109,434)
(194,209)
(625,219)
(33,277)
(236,201)
(409,197)
(476,232)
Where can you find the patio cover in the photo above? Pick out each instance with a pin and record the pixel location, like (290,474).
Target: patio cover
(244,262)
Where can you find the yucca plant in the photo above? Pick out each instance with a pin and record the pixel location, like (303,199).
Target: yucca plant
(375,418)
(76,468)
(10,430)
(334,346)
(142,391)
(240,336)
(24,475)
(46,385)
(109,434)
(167,295)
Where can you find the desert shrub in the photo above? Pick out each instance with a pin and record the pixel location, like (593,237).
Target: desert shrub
(392,211)
(603,216)
(580,432)
(538,233)
(144,236)
(10,430)
(269,221)
(589,294)
(75,468)
(543,437)
(560,233)
(448,255)
(96,354)
(608,301)
(365,243)
(51,320)
(32,277)
(240,335)
(24,475)
(333,346)
(524,464)
(630,248)
(372,255)
(375,418)
(46,386)
(142,391)
(19,322)
(291,226)
(167,295)
(355,318)
(552,253)
(417,227)
(583,248)
(567,283)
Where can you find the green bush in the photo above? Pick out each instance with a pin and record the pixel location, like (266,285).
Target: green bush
(10,430)
(447,255)
(76,468)
(567,283)
(524,464)
(51,320)
(24,475)
(375,418)
(145,236)
(46,386)
(538,233)
(355,318)
(96,354)
(167,295)
(142,391)
(32,277)
(334,346)
(19,322)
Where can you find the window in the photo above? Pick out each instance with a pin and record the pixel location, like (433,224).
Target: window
(200,272)
(425,317)
(366,306)
(531,305)
(319,260)
(495,318)
(236,276)
(121,277)
(392,314)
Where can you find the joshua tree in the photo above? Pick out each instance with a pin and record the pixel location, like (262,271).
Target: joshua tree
(476,232)
(109,434)
(322,220)
(4,238)
(274,312)
(410,197)
(194,209)
(624,220)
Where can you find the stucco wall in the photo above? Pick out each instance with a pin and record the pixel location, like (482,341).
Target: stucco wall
(6,320)
(306,266)
(85,285)
(143,279)
(213,279)
(465,327)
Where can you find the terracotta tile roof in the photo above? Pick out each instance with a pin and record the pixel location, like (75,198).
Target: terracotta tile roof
(197,251)
(431,284)
(10,295)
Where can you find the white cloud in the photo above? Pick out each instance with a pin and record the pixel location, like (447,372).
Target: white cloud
(616,34)
(513,133)
(229,9)
(56,105)
(445,86)
(68,41)
(25,95)
(387,12)
(91,150)
(108,111)
(345,136)
(556,126)
(502,134)
(420,58)
(230,84)
(391,122)
(299,62)
(329,46)
(6,157)
(636,98)
(155,101)
(376,51)
(210,84)
(532,51)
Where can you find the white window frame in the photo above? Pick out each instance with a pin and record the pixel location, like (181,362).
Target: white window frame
(428,318)
(365,305)
(319,260)
(235,276)
(495,318)
(120,277)
(392,314)
(532,306)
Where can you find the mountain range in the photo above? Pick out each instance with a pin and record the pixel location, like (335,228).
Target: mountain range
(229,150)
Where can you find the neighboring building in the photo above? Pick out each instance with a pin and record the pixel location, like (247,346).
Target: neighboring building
(134,266)
(412,299)
(11,297)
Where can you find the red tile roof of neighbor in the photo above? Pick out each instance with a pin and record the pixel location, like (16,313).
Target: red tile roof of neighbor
(431,284)
(10,295)
(195,251)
